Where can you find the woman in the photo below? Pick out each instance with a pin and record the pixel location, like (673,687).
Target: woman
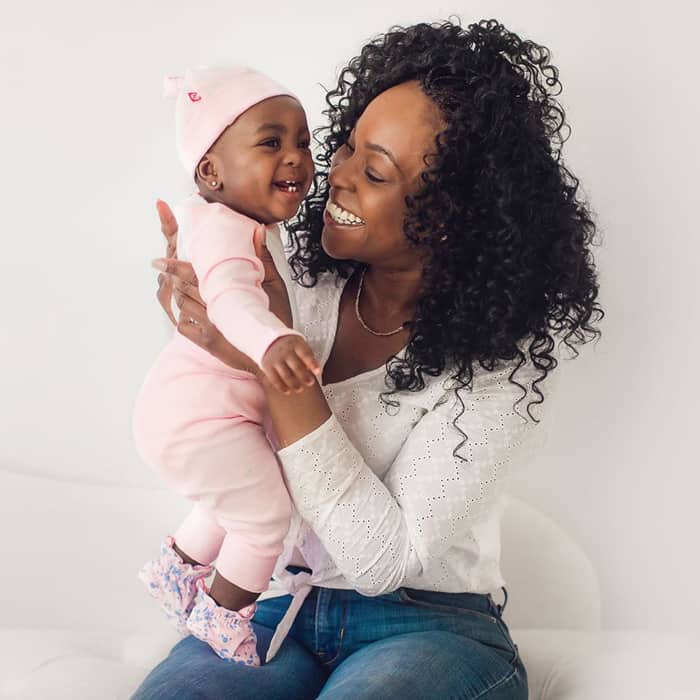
(442,250)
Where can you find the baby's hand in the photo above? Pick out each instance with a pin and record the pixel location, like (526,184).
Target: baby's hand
(289,364)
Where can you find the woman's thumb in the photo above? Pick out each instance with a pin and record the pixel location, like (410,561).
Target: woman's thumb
(259,243)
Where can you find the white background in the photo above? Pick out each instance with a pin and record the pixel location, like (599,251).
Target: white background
(87,146)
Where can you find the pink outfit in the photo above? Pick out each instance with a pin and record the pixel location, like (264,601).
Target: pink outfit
(208,100)
(228,632)
(173,583)
(201,424)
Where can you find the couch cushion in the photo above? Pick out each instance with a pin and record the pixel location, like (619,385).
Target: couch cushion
(611,665)
(561,665)
(37,664)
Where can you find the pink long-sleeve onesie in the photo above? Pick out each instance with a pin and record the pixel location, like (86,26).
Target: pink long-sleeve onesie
(202,424)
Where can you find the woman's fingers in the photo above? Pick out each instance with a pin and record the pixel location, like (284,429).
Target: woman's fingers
(176,268)
(177,280)
(195,325)
(272,275)
(168,224)
(187,289)
(193,322)
(165,294)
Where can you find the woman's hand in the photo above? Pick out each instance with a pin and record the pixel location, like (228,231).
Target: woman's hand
(178,280)
(194,323)
(168,226)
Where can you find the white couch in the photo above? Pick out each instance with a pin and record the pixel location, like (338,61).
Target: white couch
(76,623)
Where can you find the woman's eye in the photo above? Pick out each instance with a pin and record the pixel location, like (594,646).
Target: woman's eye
(372,178)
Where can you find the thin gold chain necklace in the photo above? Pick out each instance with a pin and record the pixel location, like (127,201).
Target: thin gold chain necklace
(357,310)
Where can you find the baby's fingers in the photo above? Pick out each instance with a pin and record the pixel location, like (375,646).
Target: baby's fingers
(275,381)
(289,375)
(306,355)
(301,372)
(277,375)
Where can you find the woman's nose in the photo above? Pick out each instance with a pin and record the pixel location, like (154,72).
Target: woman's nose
(340,174)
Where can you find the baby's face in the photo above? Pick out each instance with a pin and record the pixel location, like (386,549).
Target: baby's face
(264,161)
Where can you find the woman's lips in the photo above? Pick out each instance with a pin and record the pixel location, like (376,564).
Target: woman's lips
(329,221)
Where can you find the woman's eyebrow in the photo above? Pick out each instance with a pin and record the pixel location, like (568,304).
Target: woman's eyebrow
(380,149)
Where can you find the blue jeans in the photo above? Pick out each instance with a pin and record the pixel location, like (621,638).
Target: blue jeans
(408,644)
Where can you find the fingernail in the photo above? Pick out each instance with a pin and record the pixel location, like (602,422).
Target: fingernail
(159,264)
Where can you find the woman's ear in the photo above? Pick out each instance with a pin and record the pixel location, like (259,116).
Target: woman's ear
(210,172)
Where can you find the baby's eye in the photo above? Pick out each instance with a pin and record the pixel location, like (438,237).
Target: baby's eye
(306,143)
(272,143)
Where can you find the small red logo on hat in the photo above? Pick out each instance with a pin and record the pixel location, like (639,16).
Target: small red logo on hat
(194,96)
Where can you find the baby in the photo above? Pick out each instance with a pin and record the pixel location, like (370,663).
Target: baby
(197,421)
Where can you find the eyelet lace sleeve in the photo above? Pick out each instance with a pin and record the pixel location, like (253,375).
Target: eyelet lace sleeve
(382,534)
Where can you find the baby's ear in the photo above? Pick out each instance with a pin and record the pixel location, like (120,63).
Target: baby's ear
(209,172)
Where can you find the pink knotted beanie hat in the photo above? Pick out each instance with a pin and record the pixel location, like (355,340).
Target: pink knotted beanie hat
(210,99)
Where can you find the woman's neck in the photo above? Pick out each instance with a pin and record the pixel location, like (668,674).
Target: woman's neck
(390,293)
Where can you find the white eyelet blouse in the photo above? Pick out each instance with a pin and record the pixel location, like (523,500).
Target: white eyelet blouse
(380,501)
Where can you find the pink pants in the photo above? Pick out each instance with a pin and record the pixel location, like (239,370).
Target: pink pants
(202,426)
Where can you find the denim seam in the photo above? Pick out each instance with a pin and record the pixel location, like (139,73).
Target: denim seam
(340,641)
(406,598)
(503,680)
(318,605)
(513,646)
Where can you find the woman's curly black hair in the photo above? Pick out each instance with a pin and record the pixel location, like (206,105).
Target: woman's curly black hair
(514,264)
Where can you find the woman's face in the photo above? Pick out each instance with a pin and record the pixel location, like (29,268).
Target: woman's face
(372,174)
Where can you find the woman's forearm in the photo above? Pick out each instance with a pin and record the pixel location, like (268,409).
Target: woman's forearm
(296,415)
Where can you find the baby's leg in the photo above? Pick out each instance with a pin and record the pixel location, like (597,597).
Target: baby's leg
(204,433)
(198,541)
(250,502)
(185,425)
(199,537)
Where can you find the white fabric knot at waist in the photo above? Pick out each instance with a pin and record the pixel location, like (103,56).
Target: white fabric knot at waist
(298,585)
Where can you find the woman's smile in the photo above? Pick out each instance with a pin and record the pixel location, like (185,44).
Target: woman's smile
(371,174)
(340,216)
